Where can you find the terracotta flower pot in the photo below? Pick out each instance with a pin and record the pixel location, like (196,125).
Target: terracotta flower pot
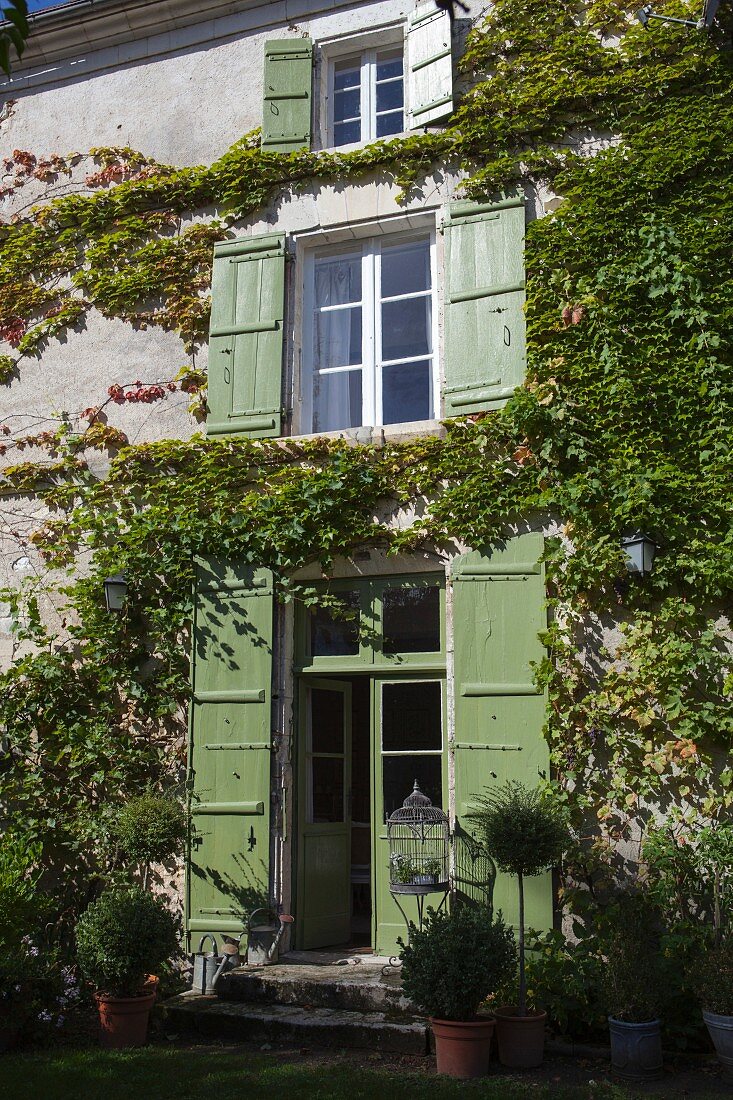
(124,1020)
(462,1047)
(521,1039)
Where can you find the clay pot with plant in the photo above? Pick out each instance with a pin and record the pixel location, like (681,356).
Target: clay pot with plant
(525,834)
(632,984)
(449,967)
(712,981)
(123,937)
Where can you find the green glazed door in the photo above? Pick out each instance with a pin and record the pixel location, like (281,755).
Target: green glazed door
(408,741)
(228,868)
(324,814)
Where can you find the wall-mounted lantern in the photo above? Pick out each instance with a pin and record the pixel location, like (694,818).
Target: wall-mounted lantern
(704,23)
(115,592)
(639,551)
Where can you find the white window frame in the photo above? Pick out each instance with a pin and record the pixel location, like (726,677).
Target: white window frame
(369,249)
(366,60)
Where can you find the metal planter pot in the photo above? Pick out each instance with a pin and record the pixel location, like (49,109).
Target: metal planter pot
(636,1049)
(721,1032)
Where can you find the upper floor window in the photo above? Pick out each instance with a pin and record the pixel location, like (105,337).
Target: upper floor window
(366,96)
(368,335)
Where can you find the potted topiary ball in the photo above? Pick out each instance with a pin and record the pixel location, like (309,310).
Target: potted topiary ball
(633,982)
(449,967)
(712,981)
(120,939)
(150,828)
(525,834)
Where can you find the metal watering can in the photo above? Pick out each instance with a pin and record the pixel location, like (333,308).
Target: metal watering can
(265,929)
(207,969)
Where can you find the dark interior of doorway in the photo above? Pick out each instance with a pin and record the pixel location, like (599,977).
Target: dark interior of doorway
(360,802)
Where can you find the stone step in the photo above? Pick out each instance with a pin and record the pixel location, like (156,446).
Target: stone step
(212,1018)
(349,988)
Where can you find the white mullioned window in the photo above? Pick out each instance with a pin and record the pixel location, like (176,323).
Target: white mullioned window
(368,334)
(366,96)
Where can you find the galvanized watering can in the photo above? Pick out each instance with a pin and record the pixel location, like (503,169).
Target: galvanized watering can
(207,969)
(264,931)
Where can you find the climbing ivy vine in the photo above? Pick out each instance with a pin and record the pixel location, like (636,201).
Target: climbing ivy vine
(625,420)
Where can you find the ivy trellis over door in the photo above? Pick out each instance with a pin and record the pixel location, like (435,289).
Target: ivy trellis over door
(498,612)
(228,868)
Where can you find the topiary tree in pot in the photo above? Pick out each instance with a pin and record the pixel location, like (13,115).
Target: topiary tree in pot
(449,967)
(120,939)
(149,829)
(525,834)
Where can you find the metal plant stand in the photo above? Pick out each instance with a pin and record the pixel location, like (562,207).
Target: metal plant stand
(419,856)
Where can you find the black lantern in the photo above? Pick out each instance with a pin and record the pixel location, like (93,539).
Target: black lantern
(115,592)
(639,551)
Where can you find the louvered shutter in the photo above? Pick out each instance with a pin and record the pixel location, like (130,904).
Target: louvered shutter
(484,310)
(246,336)
(498,612)
(286,116)
(430,65)
(229,752)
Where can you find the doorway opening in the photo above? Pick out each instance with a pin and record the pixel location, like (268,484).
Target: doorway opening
(364,740)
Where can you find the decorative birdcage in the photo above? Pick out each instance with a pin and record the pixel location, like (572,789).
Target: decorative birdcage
(419,847)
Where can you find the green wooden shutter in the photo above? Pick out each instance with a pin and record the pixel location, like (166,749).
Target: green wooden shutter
(228,870)
(498,611)
(484,309)
(286,121)
(246,337)
(430,65)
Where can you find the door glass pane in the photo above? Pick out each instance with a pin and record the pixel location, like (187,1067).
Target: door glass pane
(411,718)
(411,620)
(407,393)
(327,786)
(335,637)
(337,401)
(327,721)
(398,777)
(405,268)
(406,328)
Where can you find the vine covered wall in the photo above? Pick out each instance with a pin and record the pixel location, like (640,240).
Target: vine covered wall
(625,421)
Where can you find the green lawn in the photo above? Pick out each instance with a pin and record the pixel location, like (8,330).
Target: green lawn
(221,1074)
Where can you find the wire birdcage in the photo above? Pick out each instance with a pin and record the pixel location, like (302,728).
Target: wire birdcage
(419,846)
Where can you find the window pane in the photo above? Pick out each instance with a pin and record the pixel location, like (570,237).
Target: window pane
(388,65)
(393,123)
(337,401)
(346,132)
(389,96)
(338,338)
(411,718)
(327,778)
(327,720)
(346,74)
(411,620)
(338,280)
(405,268)
(407,393)
(346,105)
(399,774)
(406,328)
(335,637)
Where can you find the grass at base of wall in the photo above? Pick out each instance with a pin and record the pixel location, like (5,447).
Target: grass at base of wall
(206,1073)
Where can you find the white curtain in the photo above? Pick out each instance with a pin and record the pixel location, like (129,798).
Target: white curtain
(334,286)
